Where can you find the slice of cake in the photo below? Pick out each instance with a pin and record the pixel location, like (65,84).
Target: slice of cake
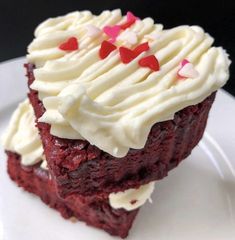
(119,101)
(113,213)
(79,167)
(96,213)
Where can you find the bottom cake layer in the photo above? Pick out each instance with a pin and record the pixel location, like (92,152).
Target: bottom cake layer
(95,211)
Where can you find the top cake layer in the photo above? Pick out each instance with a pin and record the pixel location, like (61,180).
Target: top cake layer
(109,78)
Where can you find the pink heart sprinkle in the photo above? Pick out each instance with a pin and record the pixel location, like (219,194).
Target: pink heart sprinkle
(187,70)
(131,17)
(112,31)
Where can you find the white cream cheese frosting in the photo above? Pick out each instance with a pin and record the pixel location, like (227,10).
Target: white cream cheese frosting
(111,104)
(22,137)
(132,198)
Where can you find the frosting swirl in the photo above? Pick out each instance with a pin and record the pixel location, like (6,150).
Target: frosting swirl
(22,135)
(111,104)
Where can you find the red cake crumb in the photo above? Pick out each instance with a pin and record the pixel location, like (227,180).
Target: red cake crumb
(95,211)
(81,168)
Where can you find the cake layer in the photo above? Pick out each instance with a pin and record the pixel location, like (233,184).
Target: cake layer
(95,211)
(81,168)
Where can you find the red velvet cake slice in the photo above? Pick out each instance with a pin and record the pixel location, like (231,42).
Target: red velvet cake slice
(119,101)
(94,211)
(27,166)
(81,168)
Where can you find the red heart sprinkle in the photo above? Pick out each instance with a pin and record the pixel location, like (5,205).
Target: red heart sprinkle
(150,62)
(141,48)
(105,49)
(70,45)
(131,19)
(126,54)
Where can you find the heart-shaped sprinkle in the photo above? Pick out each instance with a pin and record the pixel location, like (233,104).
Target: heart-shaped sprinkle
(93,31)
(112,31)
(126,54)
(105,49)
(128,36)
(130,19)
(150,62)
(187,70)
(141,48)
(70,45)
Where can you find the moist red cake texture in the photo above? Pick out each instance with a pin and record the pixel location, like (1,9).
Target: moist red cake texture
(81,168)
(92,210)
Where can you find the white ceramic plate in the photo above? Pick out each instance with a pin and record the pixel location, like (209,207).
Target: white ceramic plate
(196,201)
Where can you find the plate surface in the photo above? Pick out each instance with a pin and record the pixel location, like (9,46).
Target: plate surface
(196,201)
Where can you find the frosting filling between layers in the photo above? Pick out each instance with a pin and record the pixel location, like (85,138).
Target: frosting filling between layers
(22,137)
(111,104)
